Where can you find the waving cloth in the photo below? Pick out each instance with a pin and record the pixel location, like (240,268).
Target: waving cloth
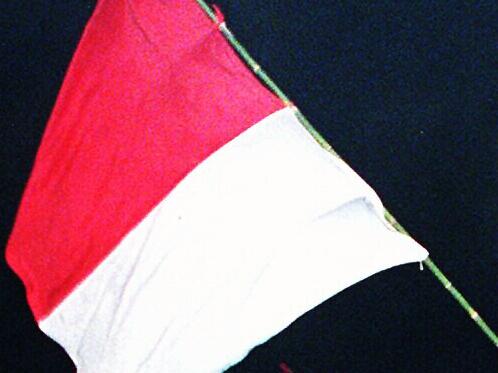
(177,214)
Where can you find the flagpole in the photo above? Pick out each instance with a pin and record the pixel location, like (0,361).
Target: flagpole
(261,74)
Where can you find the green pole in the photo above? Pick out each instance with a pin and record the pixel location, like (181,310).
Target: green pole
(261,74)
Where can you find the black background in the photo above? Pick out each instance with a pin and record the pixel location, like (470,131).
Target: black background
(404,91)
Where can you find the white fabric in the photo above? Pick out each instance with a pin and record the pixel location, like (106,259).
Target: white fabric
(265,229)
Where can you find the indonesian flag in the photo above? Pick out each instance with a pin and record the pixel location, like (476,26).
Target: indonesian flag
(178,214)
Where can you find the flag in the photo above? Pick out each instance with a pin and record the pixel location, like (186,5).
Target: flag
(178,214)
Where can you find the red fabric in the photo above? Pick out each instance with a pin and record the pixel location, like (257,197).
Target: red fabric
(153,89)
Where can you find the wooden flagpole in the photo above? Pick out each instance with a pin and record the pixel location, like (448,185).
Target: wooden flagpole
(261,74)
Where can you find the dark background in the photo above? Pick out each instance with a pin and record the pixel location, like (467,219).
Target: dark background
(405,91)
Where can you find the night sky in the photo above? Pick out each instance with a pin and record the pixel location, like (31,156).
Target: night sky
(406,92)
